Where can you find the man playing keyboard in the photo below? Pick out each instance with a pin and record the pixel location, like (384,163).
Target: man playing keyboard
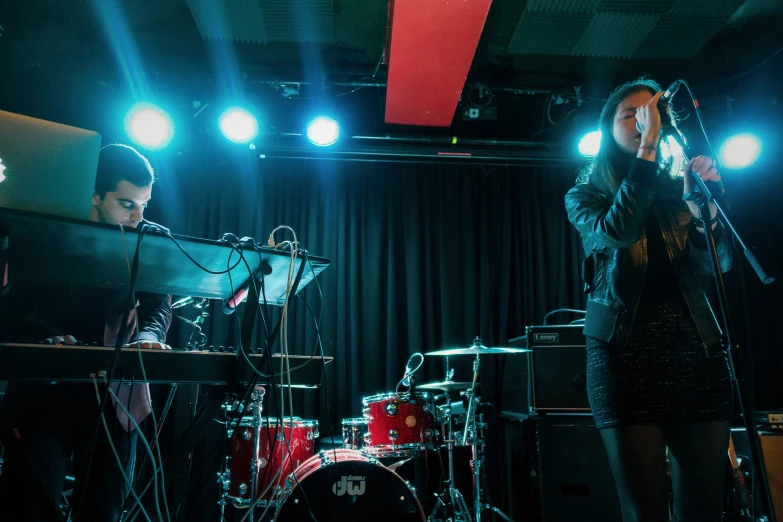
(56,422)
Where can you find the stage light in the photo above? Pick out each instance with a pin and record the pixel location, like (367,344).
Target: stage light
(740,151)
(149,126)
(590,144)
(323,131)
(238,125)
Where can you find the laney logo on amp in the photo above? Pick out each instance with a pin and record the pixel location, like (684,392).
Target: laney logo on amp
(349,485)
(546,337)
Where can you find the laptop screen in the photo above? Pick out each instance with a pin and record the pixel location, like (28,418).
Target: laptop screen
(47,167)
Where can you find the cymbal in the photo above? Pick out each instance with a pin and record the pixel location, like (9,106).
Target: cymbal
(446,386)
(477,349)
(480,350)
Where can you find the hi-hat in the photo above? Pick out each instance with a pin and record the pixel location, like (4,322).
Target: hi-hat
(478,349)
(446,386)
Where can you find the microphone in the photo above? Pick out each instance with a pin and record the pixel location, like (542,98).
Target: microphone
(406,378)
(665,100)
(668,94)
(152,224)
(230,305)
(241,293)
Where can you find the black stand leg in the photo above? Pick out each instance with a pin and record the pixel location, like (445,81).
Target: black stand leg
(746,408)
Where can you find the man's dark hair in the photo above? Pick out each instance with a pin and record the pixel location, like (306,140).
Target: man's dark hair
(119,162)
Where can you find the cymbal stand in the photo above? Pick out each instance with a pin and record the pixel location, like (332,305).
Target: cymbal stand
(452,502)
(474,437)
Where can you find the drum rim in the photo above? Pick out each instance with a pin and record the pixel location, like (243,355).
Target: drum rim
(355,420)
(397,447)
(248,421)
(325,458)
(379,397)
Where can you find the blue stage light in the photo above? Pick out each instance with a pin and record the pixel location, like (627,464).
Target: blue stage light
(238,125)
(323,131)
(149,126)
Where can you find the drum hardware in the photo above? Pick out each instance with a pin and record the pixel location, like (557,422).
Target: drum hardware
(473,436)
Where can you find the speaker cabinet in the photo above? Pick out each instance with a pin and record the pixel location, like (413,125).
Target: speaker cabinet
(574,474)
(772,449)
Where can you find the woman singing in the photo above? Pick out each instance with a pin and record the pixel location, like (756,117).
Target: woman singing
(657,373)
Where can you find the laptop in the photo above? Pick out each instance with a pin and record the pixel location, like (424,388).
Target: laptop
(46,167)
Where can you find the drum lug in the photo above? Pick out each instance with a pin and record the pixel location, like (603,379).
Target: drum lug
(411,488)
(224,479)
(246,435)
(391,409)
(242,488)
(393,434)
(324,457)
(426,408)
(428,434)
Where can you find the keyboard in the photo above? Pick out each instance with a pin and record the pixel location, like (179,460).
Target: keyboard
(47,362)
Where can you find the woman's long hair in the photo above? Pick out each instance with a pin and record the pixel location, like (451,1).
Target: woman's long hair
(608,168)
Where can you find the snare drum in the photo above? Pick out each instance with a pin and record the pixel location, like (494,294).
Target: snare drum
(355,431)
(269,451)
(400,425)
(347,485)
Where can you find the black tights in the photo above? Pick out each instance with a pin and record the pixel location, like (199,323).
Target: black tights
(698,453)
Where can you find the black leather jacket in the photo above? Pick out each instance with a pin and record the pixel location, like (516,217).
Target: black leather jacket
(615,244)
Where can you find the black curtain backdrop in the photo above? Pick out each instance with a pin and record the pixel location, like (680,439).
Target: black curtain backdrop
(423,257)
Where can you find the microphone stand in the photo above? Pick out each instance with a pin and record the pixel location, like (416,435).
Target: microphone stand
(702,196)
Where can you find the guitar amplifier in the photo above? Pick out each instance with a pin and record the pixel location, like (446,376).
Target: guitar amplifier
(551,378)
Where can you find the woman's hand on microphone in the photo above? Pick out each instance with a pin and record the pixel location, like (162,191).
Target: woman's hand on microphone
(648,118)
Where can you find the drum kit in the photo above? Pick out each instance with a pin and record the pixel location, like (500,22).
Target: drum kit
(276,468)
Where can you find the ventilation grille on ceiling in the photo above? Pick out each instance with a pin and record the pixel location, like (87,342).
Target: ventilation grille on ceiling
(264,21)
(620,28)
(627,31)
(562,6)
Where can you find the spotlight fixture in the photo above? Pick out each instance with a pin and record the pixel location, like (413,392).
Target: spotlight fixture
(149,126)
(323,131)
